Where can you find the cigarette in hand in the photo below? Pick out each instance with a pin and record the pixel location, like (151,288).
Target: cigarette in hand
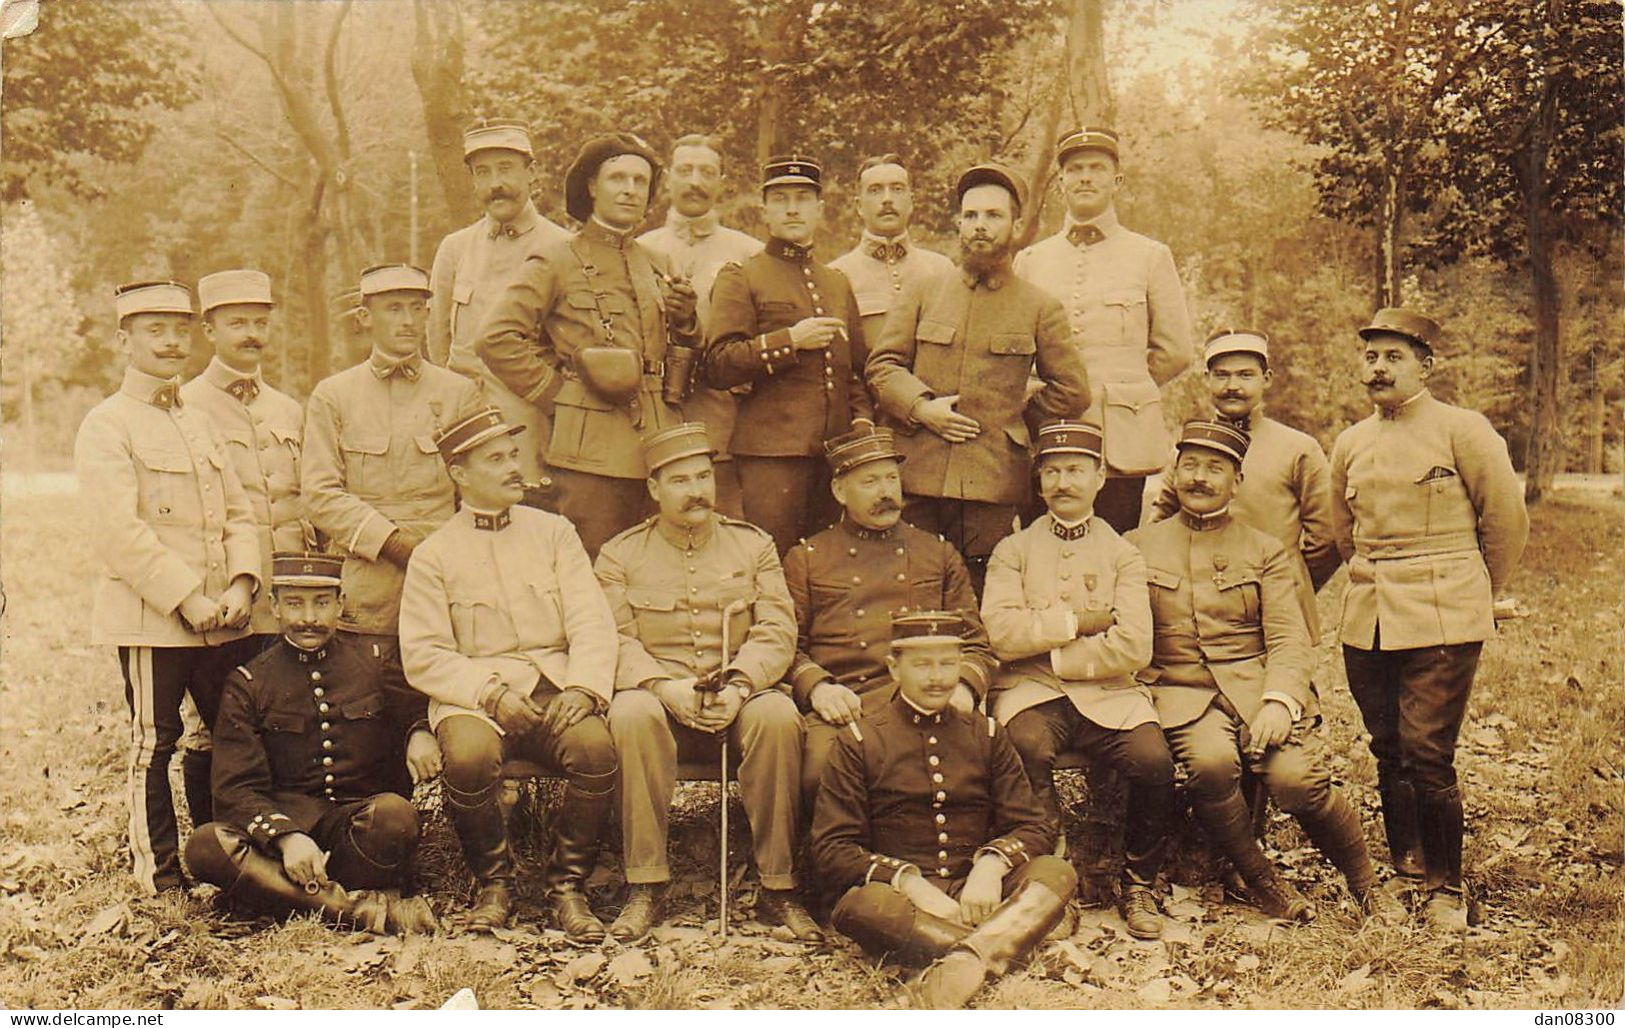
(855,733)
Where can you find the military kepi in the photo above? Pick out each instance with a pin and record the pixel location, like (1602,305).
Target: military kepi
(1402,321)
(497,134)
(792,170)
(240,285)
(595,151)
(1237,340)
(995,175)
(472,431)
(1086,139)
(393,278)
(924,627)
(675,443)
(312,570)
(152,298)
(858,447)
(1069,437)
(1217,436)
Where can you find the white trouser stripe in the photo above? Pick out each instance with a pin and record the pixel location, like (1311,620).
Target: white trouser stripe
(143,741)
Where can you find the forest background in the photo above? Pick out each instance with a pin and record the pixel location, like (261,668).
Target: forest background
(1307,161)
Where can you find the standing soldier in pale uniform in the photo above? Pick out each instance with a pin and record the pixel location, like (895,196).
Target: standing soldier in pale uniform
(950,373)
(1430,516)
(583,332)
(1127,312)
(887,259)
(696,244)
(174,528)
(1284,486)
(787,327)
(261,428)
(475,264)
(373,479)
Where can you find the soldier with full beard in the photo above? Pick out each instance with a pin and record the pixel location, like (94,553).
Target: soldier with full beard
(954,358)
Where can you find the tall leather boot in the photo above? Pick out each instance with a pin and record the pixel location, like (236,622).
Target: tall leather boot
(1335,831)
(882,920)
(1229,826)
(1442,822)
(483,832)
(578,828)
(1400,822)
(252,881)
(1018,925)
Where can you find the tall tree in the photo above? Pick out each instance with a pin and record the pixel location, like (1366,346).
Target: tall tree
(1532,151)
(438,48)
(80,91)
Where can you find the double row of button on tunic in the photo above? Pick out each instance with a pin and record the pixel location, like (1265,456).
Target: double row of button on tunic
(796,399)
(926,792)
(300,731)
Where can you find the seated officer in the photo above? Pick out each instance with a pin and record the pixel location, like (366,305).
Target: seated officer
(1230,671)
(849,579)
(684,586)
(312,754)
(503,626)
(926,821)
(1066,609)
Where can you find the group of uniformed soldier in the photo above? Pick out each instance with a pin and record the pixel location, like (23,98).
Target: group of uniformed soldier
(898,628)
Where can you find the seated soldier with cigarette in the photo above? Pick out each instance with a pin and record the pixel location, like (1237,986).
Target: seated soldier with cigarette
(926,821)
(314,759)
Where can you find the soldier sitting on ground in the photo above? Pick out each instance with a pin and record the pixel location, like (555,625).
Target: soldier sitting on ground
(925,819)
(314,759)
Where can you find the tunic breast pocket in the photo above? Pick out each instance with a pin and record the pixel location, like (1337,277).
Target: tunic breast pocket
(288,441)
(365,470)
(167,486)
(654,611)
(1164,587)
(285,745)
(480,627)
(772,315)
(1240,592)
(1127,320)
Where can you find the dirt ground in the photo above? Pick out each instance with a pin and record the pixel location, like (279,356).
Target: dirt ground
(1540,757)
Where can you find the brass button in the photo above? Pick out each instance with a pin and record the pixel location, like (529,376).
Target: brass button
(937,777)
(327,761)
(933,760)
(322,707)
(942,819)
(942,836)
(327,744)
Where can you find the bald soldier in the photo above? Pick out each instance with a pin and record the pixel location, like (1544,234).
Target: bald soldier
(582,335)
(887,259)
(1284,485)
(684,586)
(696,244)
(373,479)
(475,264)
(175,531)
(1126,309)
(1428,512)
(847,582)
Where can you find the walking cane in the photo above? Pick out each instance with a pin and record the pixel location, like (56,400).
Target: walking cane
(736,607)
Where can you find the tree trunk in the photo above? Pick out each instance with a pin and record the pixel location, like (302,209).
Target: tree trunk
(1039,177)
(437,68)
(1545,365)
(314,231)
(1089,91)
(1390,217)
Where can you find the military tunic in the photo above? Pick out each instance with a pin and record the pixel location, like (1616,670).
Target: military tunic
(1429,513)
(514,605)
(596,288)
(262,429)
(669,590)
(302,732)
(472,269)
(1285,491)
(982,339)
(371,468)
(1042,592)
(1226,620)
(880,269)
(927,791)
(1126,309)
